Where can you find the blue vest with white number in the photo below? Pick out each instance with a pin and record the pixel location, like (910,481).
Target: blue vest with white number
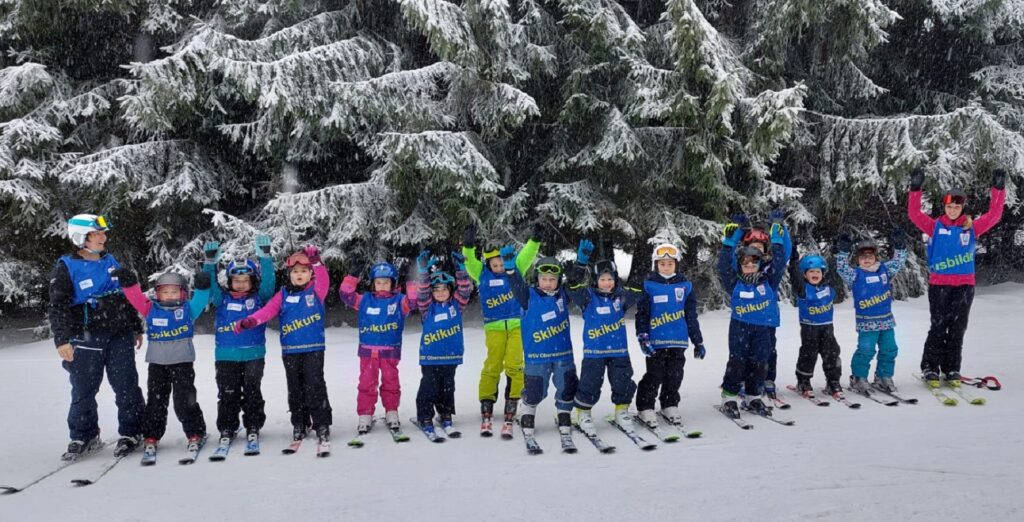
(755,304)
(604,327)
(92,278)
(545,328)
(951,250)
(496,298)
(872,295)
(816,305)
(441,342)
(380,320)
(169,324)
(232,310)
(668,313)
(301,321)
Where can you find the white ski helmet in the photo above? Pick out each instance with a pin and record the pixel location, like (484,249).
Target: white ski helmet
(666,251)
(80,225)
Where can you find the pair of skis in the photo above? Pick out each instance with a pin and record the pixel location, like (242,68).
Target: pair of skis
(323,448)
(90,479)
(191,454)
(396,433)
(487,428)
(220,453)
(743,424)
(439,433)
(949,400)
(568,446)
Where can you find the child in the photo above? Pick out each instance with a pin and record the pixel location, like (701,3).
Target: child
(604,305)
(300,307)
(814,298)
(382,315)
(547,344)
(501,326)
(755,316)
(666,322)
(170,321)
(239,358)
(871,284)
(441,345)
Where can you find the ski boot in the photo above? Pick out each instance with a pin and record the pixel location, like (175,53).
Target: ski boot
(729,405)
(78,448)
(884,384)
(769,390)
(623,417)
(931,378)
(299,433)
(323,445)
(194,442)
(447,423)
(803,386)
(486,416)
(672,414)
(511,406)
(126,445)
(226,436)
(391,420)
(835,388)
(585,421)
(527,422)
(953,379)
(859,384)
(364,424)
(648,417)
(757,406)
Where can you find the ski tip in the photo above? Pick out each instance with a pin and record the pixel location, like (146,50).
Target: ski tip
(80,482)
(693,435)
(5,490)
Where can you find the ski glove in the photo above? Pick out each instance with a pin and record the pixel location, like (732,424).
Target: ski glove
(469,236)
(245,324)
(777,216)
(508,256)
(732,235)
(999,179)
(313,253)
(201,281)
(843,243)
(645,344)
(740,219)
(125,277)
(916,179)
(698,351)
(263,245)
(459,260)
(777,233)
(211,252)
(898,238)
(423,261)
(583,252)
(537,231)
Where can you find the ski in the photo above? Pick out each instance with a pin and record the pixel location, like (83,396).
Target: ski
(565,438)
(532,447)
(397,435)
(937,393)
(778,403)
(879,400)
(841,399)
(967,396)
(656,429)
(99,473)
(450,432)
(432,435)
(293,447)
(148,458)
(768,415)
(809,395)
(595,439)
(192,454)
(357,441)
(695,434)
(737,420)
(506,430)
(631,433)
(252,447)
(486,427)
(221,452)
(10,490)
(323,448)
(896,395)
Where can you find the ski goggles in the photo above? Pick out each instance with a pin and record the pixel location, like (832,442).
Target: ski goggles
(297,258)
(666,252)
(240,269)
(755,236)
(953,198)
(491,253)
(441,278)
(99,222)
(549,269)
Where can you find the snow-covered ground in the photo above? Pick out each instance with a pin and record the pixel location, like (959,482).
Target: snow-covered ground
(923,462)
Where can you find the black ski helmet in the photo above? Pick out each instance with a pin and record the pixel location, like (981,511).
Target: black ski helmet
(605,266)
(748,251)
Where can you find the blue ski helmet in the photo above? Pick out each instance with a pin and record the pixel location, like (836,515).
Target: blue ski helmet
(386,270)
(813,261)
(243,267)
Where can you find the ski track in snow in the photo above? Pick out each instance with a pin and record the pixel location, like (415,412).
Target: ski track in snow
(910,462)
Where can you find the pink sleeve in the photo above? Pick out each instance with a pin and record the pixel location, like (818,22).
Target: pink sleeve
(321,281)
(920,219)
(986,221)
(269,310)
(138,300)
(410,298)
(464,290)
(347,292)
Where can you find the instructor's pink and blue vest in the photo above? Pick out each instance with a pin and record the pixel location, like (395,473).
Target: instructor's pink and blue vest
(496,298)
(545,329)
(951,250)
(381,320)
(91,278)
(755,304)
(872,295)
(441,341)
(604,327)
(668,313)
(302,321)
(170,331)
(250,343)
(816,305)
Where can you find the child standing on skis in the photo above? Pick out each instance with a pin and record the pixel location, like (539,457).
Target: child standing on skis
(604,303)
(441,344)
(666,323)
(382,315)
(239,357)
(547,344)
(502,334)
(755,316)
(871,286)
(814,298)
(170,319)
(300,308)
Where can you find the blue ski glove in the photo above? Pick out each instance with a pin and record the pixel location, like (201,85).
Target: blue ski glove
(263,245)
(645,343)
(698,351)
(423,261)
(776,216)
(211,252)
(732,235)
(459,260)
(508,256)
(583,252)
(740,219)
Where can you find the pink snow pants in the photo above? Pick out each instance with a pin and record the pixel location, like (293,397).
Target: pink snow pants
(390,388)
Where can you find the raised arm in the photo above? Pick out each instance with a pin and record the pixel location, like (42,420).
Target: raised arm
(130,286)
(267,283)
(215,292)
(985,222)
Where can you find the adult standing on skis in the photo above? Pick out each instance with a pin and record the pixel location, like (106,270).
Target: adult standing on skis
(95,329)
(951,248)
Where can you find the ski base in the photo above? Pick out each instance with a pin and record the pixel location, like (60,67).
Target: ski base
(736,420)
(874,397)
(656,429)
(398,435)
(252,448)
(191,456)
(637,439)
(694,434)
(595,439)
(769,416)
(323,449)
(221,452)
(10,490)
(293,447)
(432,436)
(809,395)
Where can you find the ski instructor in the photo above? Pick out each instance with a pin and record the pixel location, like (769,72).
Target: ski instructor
(95,329)
(951,252)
